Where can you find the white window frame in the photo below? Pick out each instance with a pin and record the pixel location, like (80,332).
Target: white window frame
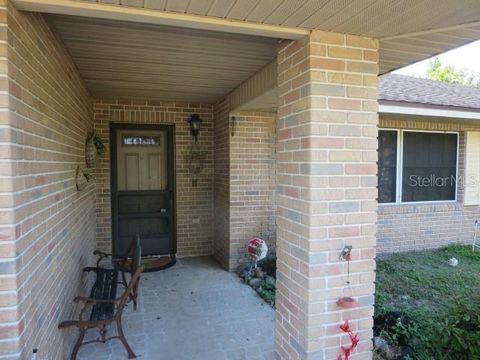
(398,190)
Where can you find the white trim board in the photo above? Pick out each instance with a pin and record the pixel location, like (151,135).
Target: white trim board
(424,111)
(148,16)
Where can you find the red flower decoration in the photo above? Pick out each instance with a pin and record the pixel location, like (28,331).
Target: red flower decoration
(354,339)
(345,327)
(347,351)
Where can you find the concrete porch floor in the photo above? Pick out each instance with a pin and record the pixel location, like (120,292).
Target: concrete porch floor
(194,310)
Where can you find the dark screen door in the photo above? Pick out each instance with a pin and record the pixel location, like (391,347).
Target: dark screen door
(142,188)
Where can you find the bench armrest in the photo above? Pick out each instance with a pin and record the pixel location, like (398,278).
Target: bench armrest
(93,301)
(101,253)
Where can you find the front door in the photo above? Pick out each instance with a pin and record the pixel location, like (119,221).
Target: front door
(143,188)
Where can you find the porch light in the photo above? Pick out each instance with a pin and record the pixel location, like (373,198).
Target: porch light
(195,122)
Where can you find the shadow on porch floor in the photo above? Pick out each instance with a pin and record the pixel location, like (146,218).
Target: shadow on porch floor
(193,311)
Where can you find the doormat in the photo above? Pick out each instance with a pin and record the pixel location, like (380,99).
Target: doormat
(154,263)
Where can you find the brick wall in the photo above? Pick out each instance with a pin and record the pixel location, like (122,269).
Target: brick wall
(47,226)
(222,183)
(194,204)
(252,181)
(244,199)
(407,227)
(326,180)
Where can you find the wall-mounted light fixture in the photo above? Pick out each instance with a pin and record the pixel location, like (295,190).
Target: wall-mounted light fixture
(232,127)
(195,122)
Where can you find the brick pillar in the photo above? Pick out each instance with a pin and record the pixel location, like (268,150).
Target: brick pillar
(326,177)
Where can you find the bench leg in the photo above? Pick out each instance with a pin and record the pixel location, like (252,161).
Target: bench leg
(121,335)
(124,279)
(134,297)
(78,344)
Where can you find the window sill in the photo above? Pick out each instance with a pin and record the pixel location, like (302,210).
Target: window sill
(384,209)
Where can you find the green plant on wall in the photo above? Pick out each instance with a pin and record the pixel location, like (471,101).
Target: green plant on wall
(94,146)
(98,142)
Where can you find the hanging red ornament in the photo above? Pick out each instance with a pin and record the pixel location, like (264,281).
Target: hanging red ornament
(354,340)
(347,302)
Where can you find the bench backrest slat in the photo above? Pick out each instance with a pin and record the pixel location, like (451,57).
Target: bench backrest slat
(105,288)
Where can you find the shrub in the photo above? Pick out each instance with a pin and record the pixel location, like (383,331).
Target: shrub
(423,303)
(457,335)
(454,336)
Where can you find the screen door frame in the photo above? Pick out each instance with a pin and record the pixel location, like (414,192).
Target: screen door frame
(171,170)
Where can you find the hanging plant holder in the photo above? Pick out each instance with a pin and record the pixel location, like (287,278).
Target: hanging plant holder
(347,302)
(90,153)
(93,146)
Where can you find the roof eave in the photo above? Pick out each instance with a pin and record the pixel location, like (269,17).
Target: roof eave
(430,110)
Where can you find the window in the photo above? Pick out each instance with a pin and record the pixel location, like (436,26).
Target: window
(141,140)
(387,166)
(416,166)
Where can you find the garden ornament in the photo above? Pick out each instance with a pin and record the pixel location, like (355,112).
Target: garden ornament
(453,262)
(347,302)
(257,249)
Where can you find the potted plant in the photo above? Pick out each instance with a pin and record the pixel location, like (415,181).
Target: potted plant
(94,146)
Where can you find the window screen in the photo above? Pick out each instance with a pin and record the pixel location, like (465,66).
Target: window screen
(387,166)
(429,166)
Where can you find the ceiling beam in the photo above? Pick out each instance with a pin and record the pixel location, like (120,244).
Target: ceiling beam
(259,83)
(141,15)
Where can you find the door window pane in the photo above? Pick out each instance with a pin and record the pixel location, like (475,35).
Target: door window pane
(387,166)
(141,140)
(429,166)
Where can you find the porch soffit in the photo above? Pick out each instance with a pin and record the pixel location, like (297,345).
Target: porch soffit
(109,52)
(409,30)
(373,18)
(132,60)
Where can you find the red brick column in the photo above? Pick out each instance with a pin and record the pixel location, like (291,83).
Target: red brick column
(326,177)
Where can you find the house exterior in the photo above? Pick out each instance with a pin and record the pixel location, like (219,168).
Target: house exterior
(434,127)
(287,93)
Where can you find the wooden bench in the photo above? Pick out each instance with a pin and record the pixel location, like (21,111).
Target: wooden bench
(105,307)
(105,288)
(124,264)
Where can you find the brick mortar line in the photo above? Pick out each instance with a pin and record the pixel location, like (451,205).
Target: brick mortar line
(50,128)
(53,215)
(69,69)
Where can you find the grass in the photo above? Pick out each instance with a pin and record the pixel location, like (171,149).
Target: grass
(433,299)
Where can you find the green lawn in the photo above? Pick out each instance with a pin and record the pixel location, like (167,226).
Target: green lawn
(434,308)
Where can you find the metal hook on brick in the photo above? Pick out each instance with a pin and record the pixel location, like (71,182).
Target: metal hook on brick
(346,253)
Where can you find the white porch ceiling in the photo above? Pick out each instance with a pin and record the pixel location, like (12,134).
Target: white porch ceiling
(130,60)
(410,30)
(399,51)
(374,18)
(206,65)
